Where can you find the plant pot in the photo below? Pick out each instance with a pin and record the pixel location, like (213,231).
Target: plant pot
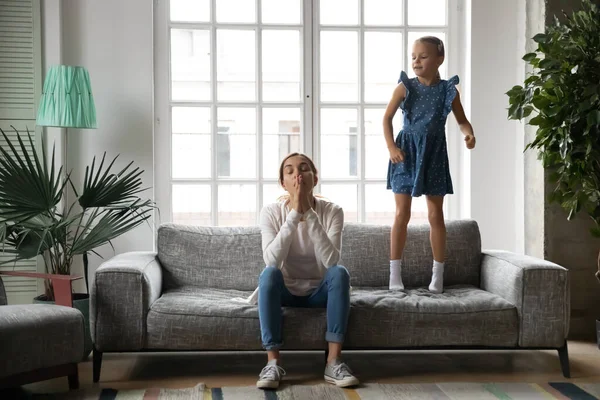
(81,301)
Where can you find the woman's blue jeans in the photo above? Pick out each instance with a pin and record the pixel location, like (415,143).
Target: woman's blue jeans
(333,293)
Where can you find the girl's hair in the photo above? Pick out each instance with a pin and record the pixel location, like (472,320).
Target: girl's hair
(437,42)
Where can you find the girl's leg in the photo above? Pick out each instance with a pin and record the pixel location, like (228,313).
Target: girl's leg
(398,239)
(437,237)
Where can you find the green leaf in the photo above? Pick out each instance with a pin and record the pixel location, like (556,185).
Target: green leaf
(593,118)
(537,120)
(28,187)
(540,38)
(529,56)
(595,231)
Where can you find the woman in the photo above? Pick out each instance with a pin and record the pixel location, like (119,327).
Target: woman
(301,241)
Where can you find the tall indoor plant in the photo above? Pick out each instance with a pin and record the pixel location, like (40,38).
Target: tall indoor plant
(34,220)
(563,92)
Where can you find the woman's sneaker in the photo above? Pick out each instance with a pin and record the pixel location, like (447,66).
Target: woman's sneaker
(339,374)
(270,376)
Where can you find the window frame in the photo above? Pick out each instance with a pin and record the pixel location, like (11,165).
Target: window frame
(309,104)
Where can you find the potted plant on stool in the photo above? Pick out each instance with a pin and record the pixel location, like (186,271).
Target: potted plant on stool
(564,93)
(34,222)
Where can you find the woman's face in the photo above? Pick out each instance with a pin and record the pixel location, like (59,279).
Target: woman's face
(292,168)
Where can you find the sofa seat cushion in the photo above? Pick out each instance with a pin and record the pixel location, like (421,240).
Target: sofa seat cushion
(34,336)
(208,319)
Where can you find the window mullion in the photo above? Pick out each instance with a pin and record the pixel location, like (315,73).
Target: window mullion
(213,116)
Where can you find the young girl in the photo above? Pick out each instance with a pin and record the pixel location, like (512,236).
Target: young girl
(418,158)
(301,241)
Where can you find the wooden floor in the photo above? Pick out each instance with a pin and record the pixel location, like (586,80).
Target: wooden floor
(176,370)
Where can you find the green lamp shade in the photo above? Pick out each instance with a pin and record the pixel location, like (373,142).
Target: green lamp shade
(67,100)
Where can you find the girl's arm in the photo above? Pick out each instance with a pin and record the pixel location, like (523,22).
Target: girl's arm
(276,240)
(327,243)
(459,113)
(388,130)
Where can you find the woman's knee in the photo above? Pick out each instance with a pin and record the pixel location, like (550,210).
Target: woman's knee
(269,277)
(338,273)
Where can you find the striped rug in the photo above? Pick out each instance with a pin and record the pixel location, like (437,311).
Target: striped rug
(371,391)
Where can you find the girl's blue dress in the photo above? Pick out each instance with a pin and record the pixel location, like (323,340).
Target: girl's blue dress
(425,169)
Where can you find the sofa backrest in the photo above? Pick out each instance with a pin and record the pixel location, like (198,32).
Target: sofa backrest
(366,254)
(231,257)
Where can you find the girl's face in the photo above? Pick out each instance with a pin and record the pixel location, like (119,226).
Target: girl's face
(426,60)
(292,168)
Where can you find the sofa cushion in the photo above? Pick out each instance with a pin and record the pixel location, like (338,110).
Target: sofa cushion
(205,319)
(210,257)
(34,336)
(366,254)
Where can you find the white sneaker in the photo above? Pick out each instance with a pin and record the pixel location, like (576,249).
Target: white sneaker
(340,375)
(270,376)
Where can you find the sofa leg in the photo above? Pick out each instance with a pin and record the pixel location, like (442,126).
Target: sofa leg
(97,364)
(563,354)
(74,379)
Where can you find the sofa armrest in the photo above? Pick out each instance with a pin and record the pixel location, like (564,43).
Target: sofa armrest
(538,288)
(123,290)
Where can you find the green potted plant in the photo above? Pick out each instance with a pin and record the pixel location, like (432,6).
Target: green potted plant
(35,221)
(563,94)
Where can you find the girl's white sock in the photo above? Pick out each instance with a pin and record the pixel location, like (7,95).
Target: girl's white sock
(437,278)
(396,275)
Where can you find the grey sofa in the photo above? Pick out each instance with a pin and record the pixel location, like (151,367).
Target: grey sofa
(180,298)
(39,342)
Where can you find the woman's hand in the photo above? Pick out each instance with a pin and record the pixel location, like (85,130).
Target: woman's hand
(303,195)
(396,155)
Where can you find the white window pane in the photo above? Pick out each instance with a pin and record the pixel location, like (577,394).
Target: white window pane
(190,144)
(236,142)
(412,36)
(339,143)
(281,66)
(236,11)
(190,64)
(191,204)
(346,196)
(383,12)
(380,206)
(383,63)
(237,205)
(190,10)
(281,11)
(272,193)
(339,12)
(339,66)
(236,55)
(281,136)
(427,12)
(376,152)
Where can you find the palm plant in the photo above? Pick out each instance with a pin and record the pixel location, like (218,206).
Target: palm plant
(34,222)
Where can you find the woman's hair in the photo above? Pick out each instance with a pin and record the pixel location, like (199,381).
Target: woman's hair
(437,42)
(310,163)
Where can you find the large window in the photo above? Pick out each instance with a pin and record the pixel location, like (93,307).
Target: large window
(242,83)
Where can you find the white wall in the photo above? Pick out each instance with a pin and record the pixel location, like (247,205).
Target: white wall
(114,40)
(496,163)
